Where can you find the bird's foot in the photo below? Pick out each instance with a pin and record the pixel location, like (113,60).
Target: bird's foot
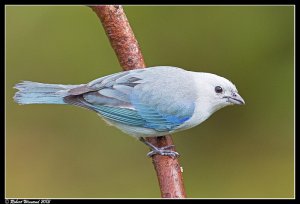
(160,150)
(164,152)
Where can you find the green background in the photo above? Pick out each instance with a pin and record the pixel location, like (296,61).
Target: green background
(56,151)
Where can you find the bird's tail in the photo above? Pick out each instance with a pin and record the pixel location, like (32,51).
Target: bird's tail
(39,93)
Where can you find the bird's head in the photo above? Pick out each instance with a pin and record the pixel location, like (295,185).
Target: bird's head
(215,92)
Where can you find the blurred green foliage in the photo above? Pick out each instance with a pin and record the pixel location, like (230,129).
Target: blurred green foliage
(58,151)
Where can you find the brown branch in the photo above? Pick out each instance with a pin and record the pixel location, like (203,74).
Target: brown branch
(126,47)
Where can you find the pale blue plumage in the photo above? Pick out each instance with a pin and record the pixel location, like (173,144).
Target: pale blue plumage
(39,93)
(162,118)
(144,102)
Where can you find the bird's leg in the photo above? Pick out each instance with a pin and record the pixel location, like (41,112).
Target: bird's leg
(159,150)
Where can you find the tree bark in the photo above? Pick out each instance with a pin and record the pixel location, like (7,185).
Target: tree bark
(126,47)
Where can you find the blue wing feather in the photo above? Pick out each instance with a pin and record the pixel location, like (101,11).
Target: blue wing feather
(161,121)
(132,117)
(121,115)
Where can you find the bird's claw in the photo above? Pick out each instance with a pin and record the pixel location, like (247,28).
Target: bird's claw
(160,150)
(166,147)
(164,152)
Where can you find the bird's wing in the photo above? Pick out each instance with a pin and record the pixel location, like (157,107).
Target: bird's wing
(157,98)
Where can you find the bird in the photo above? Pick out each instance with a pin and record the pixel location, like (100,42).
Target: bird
(146,102)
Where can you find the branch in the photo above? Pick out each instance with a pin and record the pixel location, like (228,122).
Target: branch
(126,47)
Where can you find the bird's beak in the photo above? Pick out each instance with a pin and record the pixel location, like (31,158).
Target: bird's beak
(235,98)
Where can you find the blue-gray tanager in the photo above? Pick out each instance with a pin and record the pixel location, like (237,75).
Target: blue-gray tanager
(143,102)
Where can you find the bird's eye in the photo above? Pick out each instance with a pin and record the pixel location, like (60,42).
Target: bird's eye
(218,89)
